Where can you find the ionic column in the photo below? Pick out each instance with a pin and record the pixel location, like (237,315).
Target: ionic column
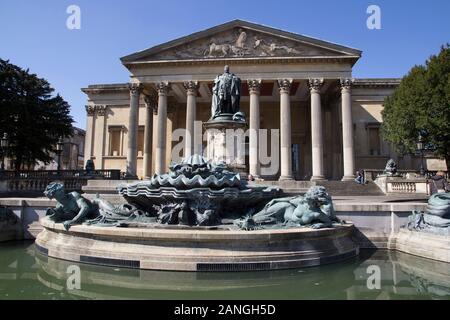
(161,138)
(316,130)
(347,130)
(133,121)
(191,105)
(254,87)
(99,135)
(285,129)
(90,128)
(150,110)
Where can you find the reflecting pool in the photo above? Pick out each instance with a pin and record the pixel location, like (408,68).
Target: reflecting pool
(26,274)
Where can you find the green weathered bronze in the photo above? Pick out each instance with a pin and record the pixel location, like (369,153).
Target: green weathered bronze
(314,209)
(196,193)
(71,208)
(226,94)
(436,218)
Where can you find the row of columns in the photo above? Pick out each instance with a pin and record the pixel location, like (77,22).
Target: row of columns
(254,86)
(317,142)
(156,106)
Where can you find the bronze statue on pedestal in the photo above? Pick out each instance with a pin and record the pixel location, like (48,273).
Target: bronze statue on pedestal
(226,94)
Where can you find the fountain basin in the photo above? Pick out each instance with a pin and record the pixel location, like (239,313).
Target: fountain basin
(423,244)
(197,249)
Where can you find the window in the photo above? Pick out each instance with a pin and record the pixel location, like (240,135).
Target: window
(115,141)
(374,140)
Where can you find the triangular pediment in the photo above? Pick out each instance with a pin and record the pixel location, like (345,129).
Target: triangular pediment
(241,39)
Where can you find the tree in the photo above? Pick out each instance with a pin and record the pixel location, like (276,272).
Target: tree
(421,104)
(33,119)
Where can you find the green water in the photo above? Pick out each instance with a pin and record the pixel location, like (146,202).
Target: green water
(26,274)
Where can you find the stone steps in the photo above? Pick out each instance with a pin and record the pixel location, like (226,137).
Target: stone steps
(350,188)
(334,188)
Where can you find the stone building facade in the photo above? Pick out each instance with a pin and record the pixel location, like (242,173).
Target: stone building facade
(328,122)
(72,153)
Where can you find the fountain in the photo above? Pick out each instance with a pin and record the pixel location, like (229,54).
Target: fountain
(200,216)
(196,192)
(427,233)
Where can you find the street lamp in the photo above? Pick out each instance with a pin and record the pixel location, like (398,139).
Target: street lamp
(59,149)
(420,148)
(4,144)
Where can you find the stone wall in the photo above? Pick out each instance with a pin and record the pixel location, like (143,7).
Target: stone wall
(28,212)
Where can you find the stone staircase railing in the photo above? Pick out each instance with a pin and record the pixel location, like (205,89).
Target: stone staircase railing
(34,182)
(403,187)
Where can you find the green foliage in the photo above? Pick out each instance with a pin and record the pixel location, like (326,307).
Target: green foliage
(421,103)
(33,119)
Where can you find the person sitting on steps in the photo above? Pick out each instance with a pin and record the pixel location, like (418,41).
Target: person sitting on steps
(360,177)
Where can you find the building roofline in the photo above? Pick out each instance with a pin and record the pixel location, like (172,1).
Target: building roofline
(105,87)
(376,82)
(79,129)
(241,23)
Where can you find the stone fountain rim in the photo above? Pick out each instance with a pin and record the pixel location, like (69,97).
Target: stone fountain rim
(197,250)
(149,233)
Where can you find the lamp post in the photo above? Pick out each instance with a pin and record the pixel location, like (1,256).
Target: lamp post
(4,144)
(59,149)
(420,148)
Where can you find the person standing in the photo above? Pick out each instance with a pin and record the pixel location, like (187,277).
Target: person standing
(438,183)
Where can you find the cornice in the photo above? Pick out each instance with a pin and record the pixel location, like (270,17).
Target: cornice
(376,83)
(240,61)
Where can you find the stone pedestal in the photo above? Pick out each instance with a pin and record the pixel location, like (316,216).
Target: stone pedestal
(226,142)
(391,184)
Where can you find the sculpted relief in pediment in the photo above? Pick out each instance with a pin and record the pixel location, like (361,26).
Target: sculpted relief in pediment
(240,43)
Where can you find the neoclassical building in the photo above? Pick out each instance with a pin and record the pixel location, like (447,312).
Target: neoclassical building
(328,122)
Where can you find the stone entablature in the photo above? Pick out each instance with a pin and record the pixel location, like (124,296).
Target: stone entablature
(377,83)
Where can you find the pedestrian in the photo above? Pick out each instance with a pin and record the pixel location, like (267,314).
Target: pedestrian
(438,183)
(359,177)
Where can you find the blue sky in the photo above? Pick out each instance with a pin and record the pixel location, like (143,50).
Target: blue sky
(33,34)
